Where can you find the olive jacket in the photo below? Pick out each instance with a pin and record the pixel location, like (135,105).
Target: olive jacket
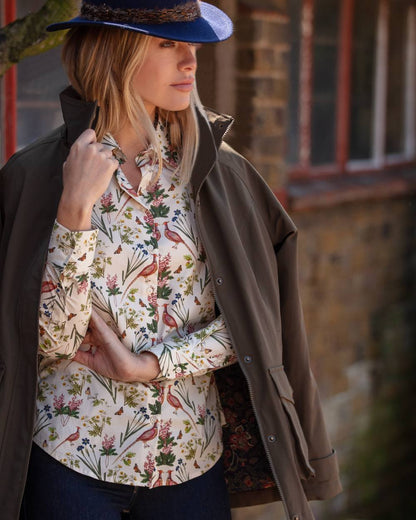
(275,444)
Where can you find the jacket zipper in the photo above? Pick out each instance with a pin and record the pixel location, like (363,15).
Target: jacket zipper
(266,449)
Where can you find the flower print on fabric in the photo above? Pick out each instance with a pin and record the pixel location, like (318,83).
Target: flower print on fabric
(63,322)
(144,270)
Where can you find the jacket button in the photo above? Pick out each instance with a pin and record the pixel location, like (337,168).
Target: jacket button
(273,438)
(219,281)
(248,359)
(296,517)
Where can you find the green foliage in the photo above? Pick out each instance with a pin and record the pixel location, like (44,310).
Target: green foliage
(165,459)
(155,408)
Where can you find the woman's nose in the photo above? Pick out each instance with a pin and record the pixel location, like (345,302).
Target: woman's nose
(188,58)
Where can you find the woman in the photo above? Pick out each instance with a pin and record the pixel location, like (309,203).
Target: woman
(160,257)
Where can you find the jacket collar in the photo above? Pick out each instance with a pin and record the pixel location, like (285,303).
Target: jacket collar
(79,115)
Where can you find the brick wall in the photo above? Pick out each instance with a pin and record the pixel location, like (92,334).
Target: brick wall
(248,78)
(357,260)
(358,285)
(262,88)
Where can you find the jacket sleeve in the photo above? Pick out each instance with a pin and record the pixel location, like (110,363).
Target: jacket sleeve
(297,368)
(65,302)
(197,353)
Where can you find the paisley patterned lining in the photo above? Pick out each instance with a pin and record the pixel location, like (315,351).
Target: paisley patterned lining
(246,465)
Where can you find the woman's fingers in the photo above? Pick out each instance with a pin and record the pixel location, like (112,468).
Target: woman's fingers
(87,172)
(98,325)
(87,137)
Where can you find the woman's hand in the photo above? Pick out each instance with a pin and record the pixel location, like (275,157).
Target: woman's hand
(109,357)
(86,175)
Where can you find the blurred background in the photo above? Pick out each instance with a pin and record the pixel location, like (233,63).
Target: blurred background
(324,96)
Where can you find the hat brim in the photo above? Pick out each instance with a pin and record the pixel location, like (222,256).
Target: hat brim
(213,26)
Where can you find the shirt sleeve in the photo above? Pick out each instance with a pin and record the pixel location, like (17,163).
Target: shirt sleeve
(195,354)
(65,300)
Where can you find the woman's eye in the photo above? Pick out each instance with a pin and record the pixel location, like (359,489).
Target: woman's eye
(171,43)
(167,43)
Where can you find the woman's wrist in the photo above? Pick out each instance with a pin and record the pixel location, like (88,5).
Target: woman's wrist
(74,216)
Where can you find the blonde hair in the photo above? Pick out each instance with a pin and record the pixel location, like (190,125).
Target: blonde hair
(100,63)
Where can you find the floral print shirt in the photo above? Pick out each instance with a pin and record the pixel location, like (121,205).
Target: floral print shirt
(144,270)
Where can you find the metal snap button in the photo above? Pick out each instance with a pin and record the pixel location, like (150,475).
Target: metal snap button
(219,280)
(248,359)
(272,438)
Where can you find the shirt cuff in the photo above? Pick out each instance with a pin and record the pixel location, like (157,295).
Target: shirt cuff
(168,368)
(71,251)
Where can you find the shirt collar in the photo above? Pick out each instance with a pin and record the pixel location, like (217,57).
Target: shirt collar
(149,156)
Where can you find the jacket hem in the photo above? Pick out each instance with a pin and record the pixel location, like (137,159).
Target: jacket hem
(326,484)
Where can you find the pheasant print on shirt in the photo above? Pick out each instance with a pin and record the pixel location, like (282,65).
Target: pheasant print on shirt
(144,270)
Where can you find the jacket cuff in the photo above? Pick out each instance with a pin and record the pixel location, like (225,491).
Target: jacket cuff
(326,483)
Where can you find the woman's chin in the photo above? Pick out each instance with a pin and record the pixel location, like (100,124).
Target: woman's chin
(176,106)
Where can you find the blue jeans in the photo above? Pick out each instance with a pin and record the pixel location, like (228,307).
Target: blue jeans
(55,492)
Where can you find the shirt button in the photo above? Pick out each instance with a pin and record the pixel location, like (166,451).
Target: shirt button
(219,281)
(272,438)
(248,359)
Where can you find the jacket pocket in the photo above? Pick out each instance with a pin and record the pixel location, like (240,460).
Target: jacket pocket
(286,396)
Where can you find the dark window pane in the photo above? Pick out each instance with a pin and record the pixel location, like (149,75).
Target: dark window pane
(295,8)
(396,77)
(324,89)
(362,79)
(40,79)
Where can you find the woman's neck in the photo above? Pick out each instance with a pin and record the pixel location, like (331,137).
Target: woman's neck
(130,142)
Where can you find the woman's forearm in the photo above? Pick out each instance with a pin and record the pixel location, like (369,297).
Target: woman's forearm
(202,351)
(65,301)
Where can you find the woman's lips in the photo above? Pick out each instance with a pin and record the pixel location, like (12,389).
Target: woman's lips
(184,86)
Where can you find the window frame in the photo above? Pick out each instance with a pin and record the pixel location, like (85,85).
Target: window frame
(379,159)
(8,110)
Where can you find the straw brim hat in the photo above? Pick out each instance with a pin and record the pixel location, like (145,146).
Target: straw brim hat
(207,24)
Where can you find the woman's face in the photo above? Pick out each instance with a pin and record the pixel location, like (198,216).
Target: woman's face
(167,76)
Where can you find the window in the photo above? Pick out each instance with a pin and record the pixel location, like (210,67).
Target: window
(353,95)
(32,101)
(362,80)
(324,81)
(39,81)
